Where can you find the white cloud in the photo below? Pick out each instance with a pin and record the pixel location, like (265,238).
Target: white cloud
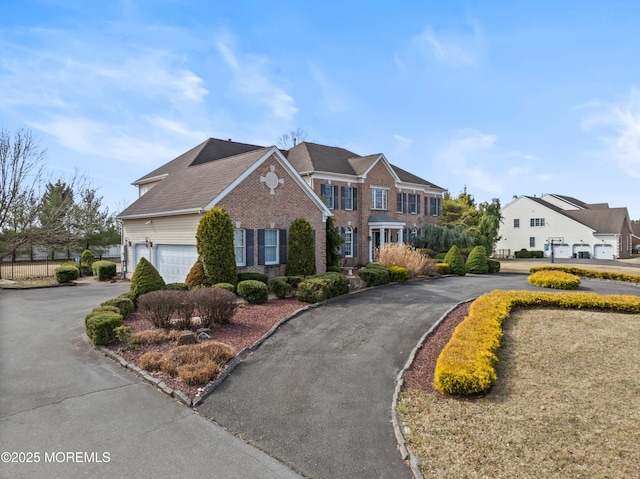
(454,49)
(251,79)
(403,139)
(618,128)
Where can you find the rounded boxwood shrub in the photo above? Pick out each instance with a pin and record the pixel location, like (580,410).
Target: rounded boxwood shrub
(281,288)
(477,261)
(374,274)
(398,274)
(100,325)
(523,253)
(313,290)
(145,279)
(103,270)
(554,279)
(254,292)
(66,274)
(125,305)
(196,277)
(455,261)
(226,286)
(177,286)
(87,258)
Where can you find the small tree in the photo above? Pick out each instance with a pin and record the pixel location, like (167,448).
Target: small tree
(214,240)
(334,241)
(455,261)
(477,261)
(301,258)
(145,279)
(196,277)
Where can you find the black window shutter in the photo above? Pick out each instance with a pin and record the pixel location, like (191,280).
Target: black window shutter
(342,233)
(336,205)
(323,192)
(355,243)
(426,205)
(354,200)
(260,246)
(399,201)
(343,194)
(418,200)
(283,246)
(249,252)
(405,232)
(404,202)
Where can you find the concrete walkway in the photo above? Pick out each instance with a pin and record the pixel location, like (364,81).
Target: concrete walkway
(317,395)
(77,414)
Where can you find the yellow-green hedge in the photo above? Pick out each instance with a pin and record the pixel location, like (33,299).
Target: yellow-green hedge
(554,279)
(587,273)
(466,365)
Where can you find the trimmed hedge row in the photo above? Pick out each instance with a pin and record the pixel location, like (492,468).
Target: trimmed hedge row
(66,274)
(322,286)
(586,273)
(554,279)
(103,270)
(374,274)
(398,274)
(100,324)
(466,365)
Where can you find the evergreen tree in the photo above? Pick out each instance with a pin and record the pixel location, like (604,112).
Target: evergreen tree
(455,261)
(301,258)
(214,241)
(477,261)
(333,243)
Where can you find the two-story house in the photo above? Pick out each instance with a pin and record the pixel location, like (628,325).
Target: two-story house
(264,189)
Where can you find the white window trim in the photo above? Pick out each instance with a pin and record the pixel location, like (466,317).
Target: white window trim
(385,197)
(330,197)
(350,196)
(415,203)
(243,260)
(277,247)
(348,240)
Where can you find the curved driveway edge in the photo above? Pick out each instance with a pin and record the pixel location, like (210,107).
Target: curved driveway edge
(316,395)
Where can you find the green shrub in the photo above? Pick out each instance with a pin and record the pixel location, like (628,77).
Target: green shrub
(523,254)
(477,261)
(313,290)
(106,307)
(253,291)
(440,257)
(104,270)
(66,274)
(100,326)
(630,278)
(227,286)
(214,240)
(337,282)
(294,281)
(196,277)
(177,286)
(334,269)
(263,278)
(494,265)
(554,279)
(145,279)
(333,243)
(87,258)
(281,288)
(398,274)
(125,305)
(537,254)
(123,334)
(443,268)
(374,274)
(428,252)
(301,257)
(454,259)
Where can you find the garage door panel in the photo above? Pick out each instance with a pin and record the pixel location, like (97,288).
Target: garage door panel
(175,261)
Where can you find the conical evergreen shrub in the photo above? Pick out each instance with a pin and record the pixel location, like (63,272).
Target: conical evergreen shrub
(477,261)
(196,277)
(301,258)
(214,240)
(455,261)
(145,279)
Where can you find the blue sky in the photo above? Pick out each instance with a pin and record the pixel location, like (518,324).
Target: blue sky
(503,97)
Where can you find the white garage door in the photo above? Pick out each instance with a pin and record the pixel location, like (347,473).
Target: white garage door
(562,251)
(603,251)
(140,251)
(173,262)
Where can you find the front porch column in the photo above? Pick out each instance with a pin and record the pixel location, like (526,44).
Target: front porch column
(370,244)
(381,243)
(400,235)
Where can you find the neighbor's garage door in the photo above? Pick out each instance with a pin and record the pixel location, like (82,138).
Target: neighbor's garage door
(603,251)
(173,262)
(561,251)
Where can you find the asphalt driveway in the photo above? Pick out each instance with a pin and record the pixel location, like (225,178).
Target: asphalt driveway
(85,416)
(317,395)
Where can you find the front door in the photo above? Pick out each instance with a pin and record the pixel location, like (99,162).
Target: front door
(375,243)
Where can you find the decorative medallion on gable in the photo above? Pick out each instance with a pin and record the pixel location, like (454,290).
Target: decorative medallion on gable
(271,180)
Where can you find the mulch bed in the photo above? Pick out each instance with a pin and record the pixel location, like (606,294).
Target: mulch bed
(421,374)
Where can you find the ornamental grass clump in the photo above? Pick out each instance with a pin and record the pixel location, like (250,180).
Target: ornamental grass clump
(407,257)
(466,365)
(554,280)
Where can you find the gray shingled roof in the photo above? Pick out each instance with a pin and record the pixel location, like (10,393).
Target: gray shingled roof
(192,187)
(599,217)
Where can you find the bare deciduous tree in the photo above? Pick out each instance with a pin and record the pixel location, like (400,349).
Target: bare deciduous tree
(291,139)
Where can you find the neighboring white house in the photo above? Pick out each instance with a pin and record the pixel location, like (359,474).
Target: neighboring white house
(565,226)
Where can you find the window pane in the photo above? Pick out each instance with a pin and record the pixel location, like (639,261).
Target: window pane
(238,246)
(271,246)
(348,195)
(348,242)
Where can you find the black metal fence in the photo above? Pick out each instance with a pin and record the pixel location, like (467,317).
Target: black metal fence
(19,270)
